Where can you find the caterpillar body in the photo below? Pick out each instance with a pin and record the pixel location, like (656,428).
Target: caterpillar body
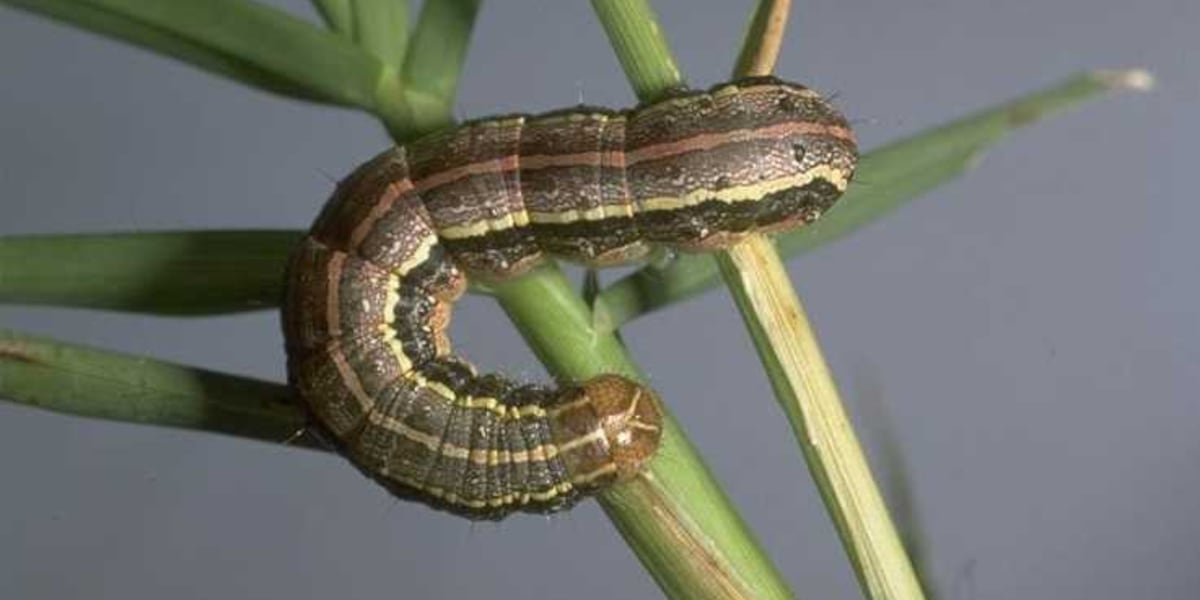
(370,289)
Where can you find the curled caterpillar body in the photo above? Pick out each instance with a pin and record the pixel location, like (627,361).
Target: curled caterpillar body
(370,289)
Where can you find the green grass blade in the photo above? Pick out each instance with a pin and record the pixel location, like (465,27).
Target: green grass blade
(640,45)
(803,385)
(764,38)
(83,381)
(337,15)
(675,517)
(381,26)
(887,178)
(181,273)
(246,41)
(805,390)
(434,61)
(164,273)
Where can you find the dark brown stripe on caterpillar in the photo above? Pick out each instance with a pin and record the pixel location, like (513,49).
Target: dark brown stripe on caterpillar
(370,290)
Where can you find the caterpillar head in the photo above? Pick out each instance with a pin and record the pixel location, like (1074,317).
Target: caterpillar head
(808,163)
(608,429)
(755,155)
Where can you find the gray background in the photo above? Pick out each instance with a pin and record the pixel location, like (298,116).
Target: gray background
(1029,333)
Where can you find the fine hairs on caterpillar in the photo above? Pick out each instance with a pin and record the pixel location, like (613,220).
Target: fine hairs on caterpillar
(370,289)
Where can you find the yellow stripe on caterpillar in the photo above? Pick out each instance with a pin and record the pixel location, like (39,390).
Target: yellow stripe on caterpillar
(747,193)
(478,228)
(441,447)
(595,213)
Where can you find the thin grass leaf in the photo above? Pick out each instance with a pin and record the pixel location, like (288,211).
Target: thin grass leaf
(337,15)
(434,61)
(806,391)
(188,273)
(381,27)
(88,382)
(764,38)
(251,43)
(176,273)
(887,178)
(640,47)
(803,386)
(675,516)
(703,549)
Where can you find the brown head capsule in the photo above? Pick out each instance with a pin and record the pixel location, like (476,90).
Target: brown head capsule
(371,288)
(607,428)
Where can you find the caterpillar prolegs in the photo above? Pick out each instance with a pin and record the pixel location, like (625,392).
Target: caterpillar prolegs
(370,289)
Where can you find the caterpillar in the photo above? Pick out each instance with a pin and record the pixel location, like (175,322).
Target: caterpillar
(369,290)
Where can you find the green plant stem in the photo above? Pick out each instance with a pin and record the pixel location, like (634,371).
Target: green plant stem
(181,273)
(643,53)
(805,390)
(675,516)
(764,37)
(887,178)
(803,384)
(271,50)
(258,45)
(381,27)
(433,65)
(640,46)
(83,381)
(188,273)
